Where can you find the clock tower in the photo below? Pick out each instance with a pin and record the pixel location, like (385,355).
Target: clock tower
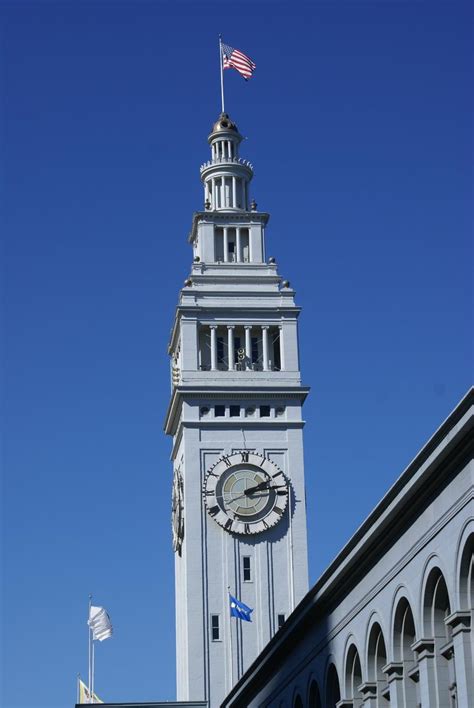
(235,416)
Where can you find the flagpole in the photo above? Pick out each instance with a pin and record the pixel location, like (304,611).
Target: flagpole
(93,669)
(292,570)
(90,648)
(222,73)
(231,649)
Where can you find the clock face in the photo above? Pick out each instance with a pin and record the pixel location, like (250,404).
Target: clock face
(177,512)
(245,493)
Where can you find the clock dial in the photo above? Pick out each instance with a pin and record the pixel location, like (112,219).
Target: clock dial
(177,511)
(245,493)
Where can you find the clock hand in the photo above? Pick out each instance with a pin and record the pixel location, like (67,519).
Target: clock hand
(262,486)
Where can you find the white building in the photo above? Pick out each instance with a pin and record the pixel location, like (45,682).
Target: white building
(235,416)
(389,623)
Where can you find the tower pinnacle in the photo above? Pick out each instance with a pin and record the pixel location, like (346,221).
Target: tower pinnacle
(226,176)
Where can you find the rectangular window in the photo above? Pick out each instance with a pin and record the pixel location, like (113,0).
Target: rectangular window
(234,411)
(232,251)
(281,621)
(219,411)
(246,569)
(215,629)
(264,411)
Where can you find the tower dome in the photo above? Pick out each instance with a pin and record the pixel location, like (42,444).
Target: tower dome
(224,124)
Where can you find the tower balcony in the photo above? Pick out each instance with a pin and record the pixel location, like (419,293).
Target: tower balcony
(227,161)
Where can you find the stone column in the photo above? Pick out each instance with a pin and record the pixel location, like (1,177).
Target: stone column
(226,244)
(248,346)
(424,649)
(234,192)
(394,672)
(214,193)
(222,204)
(460,623)
(213,347)
(265,347)
(230,347)
(238,245)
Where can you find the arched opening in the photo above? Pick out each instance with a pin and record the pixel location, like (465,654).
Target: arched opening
(353,677)
(466,579)
(403,637)
(333,691)
(436,607)
(314,698)
(376,660)
(298,703)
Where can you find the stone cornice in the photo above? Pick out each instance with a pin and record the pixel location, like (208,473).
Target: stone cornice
(237,393)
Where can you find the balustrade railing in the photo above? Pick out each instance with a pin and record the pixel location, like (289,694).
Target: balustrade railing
(226,160)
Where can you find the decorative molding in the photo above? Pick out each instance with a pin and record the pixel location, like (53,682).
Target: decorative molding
(424,648)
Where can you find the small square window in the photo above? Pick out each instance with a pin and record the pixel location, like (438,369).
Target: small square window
(264,411)
(215,628)
(247,572)
(219,411)
(281,621)
(234,411)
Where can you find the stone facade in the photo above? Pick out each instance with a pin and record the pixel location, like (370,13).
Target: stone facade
(390,621)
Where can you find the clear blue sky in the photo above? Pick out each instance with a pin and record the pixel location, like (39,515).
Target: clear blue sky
(359,123)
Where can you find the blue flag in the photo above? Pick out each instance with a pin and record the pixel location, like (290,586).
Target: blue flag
(239,610)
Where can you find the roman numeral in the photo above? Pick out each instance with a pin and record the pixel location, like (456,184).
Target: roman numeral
(278,511)
(245,456)
(227,461)
(265,524)
(214,510)
(247,528)
(209,493)
(228,525)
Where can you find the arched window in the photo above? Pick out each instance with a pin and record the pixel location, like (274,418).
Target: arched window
(436,607)
(376,660)
(333,692)
(466,580)
(353,677)
(314,699)
(403,638)
(298,703)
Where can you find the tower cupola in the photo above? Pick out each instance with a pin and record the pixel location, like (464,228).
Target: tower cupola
(226,176)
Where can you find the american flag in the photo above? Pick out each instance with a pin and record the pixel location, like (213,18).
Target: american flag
(233,59)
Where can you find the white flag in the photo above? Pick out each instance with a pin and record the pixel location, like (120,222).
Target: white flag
(99,622)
